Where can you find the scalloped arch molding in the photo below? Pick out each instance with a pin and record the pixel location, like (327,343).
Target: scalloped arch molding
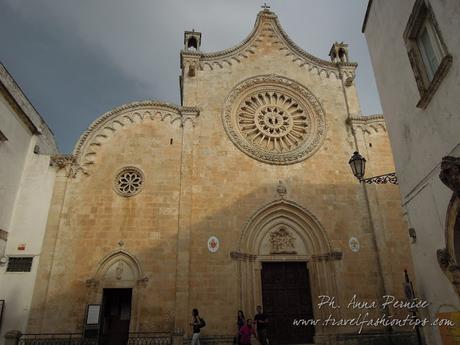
(108,124)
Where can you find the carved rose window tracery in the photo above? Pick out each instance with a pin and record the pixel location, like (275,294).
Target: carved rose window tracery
(129,181)
(274,120)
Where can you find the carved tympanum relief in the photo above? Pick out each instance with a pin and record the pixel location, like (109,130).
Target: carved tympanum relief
(274,120)
(129,181)
(282,242)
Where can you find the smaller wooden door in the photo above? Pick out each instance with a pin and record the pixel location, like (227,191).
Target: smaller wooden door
(116,304)
(286,296)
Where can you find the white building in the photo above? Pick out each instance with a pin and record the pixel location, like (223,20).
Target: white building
(415,50)
(26,185)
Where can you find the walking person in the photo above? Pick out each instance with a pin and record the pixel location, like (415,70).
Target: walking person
(197,323)
(245,333)
(240,322)
(261,323)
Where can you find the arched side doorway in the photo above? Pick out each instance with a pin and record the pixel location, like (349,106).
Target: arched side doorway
(285,258)
(115,286)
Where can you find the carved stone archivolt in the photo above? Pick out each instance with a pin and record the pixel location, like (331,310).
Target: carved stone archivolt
(118,269)
(284,231)
(274,120)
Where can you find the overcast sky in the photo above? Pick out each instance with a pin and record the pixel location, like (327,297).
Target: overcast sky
(77,59)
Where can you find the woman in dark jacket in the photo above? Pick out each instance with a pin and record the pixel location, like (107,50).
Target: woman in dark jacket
(240,322)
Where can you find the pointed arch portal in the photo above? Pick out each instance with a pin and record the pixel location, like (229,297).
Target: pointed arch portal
(284,243)
(118,277)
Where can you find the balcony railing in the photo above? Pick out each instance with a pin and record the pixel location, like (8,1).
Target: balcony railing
(149,338)
(138,338)
(54,339)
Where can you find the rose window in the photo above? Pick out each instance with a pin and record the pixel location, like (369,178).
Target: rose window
(129,181)
(274,120)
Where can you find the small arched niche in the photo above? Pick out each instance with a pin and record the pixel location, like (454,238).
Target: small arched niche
(119,269)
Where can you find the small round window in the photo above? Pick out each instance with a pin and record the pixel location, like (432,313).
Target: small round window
(129,181)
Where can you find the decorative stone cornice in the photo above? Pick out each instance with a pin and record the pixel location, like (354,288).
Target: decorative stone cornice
(66,161)
(61,161)
(143,281)
(368,124)
(106,125)
(331,256)
(91,283)
(450,173)
(268,27)
(236,255)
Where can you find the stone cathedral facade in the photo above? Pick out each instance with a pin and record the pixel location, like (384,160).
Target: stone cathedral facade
(241,196)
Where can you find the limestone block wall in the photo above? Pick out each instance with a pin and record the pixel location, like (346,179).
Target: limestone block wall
(199,183)
(230,186)
(88,220)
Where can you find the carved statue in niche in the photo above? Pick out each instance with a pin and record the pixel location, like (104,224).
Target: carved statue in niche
(119,270)
(450,173)
(282,242)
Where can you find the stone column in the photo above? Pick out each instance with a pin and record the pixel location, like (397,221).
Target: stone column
(377,226)
(182,312)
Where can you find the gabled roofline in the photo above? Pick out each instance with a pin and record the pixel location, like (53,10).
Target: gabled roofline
(250,41)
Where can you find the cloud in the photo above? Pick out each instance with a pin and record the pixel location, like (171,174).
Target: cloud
(129,50)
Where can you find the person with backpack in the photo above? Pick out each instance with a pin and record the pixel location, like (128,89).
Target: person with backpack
(197,323)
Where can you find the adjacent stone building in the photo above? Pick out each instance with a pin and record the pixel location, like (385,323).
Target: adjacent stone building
(415,47)
(240,196)
(26,186)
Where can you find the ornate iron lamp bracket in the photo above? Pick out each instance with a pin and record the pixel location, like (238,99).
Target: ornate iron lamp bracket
(381,179)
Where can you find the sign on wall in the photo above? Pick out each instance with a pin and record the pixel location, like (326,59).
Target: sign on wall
(92,321)
(93,313)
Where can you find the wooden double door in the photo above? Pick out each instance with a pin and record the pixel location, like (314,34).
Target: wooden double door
(116,307)
(286,296)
